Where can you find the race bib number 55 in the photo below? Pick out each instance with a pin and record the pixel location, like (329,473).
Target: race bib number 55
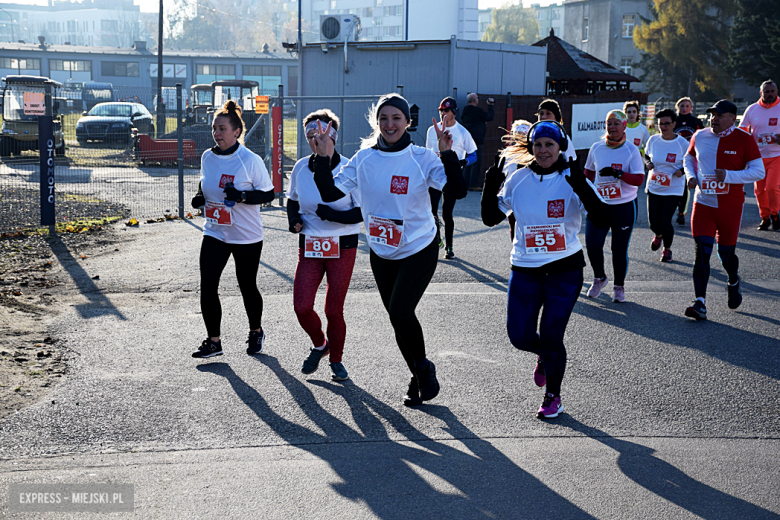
(385,231)
(544,238)
(711,186)
(321,247)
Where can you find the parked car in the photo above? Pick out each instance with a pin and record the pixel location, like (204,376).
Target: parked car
(114,122)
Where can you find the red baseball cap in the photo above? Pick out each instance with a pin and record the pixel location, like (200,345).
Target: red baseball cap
(449,104)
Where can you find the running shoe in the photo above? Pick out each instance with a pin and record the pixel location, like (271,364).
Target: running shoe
(412,397)
(775,221)
(540,378)
(681,219)
(765,223)
(312,362)
(208,349)
(619,294)
(666,255)
(656,244)
(697,311)
(339,372)
(734,294)
(256,342)
(448,253)
(429,385)
(596,287)
(551,407)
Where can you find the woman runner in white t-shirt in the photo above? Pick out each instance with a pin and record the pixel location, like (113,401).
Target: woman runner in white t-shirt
(548,198)
(233,182)
(327,244)
(391,177)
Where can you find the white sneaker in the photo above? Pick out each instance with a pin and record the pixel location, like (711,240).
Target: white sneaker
(596,287)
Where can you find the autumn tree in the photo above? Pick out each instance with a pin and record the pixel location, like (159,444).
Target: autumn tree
(512,24)
(755,41)
(691,36)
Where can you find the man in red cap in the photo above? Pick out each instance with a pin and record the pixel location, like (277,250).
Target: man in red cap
(719,161)
(465,148)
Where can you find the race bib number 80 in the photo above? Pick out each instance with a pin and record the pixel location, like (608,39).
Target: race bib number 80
(321,247)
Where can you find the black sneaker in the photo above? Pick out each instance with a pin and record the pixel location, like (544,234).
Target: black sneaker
(764,225)
(208,349)
(775,221)
(734,295)
(680,219)
(448,253)
(311,363)
(412,397)
(697,311)
(256,342)
(429,385)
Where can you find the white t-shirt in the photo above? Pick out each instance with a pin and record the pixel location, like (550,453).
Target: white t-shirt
(626,158)
(638,136)
(304,190)
(462,142)
(667,157)
(393,186)
(246,171)
(546,208)
(764,124)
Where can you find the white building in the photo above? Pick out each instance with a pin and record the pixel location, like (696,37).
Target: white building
(549,17)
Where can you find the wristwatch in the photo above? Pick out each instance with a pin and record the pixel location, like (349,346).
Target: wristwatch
(243,196)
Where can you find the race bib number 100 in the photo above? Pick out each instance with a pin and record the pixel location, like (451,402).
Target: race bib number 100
(321,247)
(544,238)
(385,231)
(217,213)
(711,186)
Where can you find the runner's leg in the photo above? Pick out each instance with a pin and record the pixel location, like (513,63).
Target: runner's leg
(308,276)
(623,220)
(449,223)
(214,255)
(594,243)
(247,260)
(339,271)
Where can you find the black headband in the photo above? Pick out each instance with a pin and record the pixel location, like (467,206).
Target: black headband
(394,100)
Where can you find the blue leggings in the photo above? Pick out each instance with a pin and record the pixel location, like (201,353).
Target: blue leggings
(622,220)
(527,294)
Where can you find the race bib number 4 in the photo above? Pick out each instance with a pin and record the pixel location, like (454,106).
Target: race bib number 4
(217,213)
(321,247)
(661,179)
(544,239)
(385,231)
(711,186)
(609,189)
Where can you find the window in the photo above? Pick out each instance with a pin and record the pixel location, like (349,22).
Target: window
(119,68)
(393,31)
(332,4)
(628,26)
(394,10)
(368,12)
(51,26)
(292,81)
(25,64)
(626,65)
(377,21)
(539,15)
(369,32)
(584,29)
(72,26)
(209,73)
(556,14)
(74,66)
(109,26)
(268,76)
(378,2)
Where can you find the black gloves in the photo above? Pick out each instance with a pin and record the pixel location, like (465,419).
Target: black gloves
(494,177)
(598,210)
(325,212)
(610,172)
(350,216)
(231,193)
(294,215)
(198,200)
(258,197)
(576,177)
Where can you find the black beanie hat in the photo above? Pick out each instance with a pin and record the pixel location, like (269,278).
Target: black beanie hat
(552,106)
(394,100)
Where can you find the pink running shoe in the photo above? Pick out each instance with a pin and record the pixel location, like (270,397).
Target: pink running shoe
(539,376)
(666,255)
(551,407)
(655,244)
(596,287)
(619,294)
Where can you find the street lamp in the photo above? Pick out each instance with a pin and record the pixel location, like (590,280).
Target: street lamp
(13,38)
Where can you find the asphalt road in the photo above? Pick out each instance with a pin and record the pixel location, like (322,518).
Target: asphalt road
(665,417)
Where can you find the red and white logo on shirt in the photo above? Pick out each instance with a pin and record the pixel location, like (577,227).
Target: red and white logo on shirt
(399,185)
(671,157)
(637,141)
(618,166)
(225,179)
(555,208)
(772,121)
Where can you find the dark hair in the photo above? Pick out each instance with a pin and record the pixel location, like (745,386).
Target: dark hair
(324,115)
(634,104)
(552,106)
(233,112)
(668,112)
(767,82)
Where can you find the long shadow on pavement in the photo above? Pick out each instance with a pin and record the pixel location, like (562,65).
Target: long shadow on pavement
(388,476)
(638,463)
(736,346)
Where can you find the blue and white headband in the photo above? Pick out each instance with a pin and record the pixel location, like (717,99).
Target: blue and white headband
(312,125)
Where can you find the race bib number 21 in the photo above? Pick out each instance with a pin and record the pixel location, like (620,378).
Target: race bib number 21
(385,231)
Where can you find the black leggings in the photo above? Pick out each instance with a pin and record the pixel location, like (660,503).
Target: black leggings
(660,210)
(214,255)
(621,222)
(701,265)
(401,285)
(446,212)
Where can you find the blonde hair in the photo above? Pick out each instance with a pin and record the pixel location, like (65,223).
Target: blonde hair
(373,120)
(516,150)
(233,112)
(679,102)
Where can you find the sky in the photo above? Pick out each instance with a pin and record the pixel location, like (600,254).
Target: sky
(150,6)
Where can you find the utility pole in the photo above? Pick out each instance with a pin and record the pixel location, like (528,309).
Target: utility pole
(160,105)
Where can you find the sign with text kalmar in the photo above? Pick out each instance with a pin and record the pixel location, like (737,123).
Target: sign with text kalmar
(278,148)
(588,123)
